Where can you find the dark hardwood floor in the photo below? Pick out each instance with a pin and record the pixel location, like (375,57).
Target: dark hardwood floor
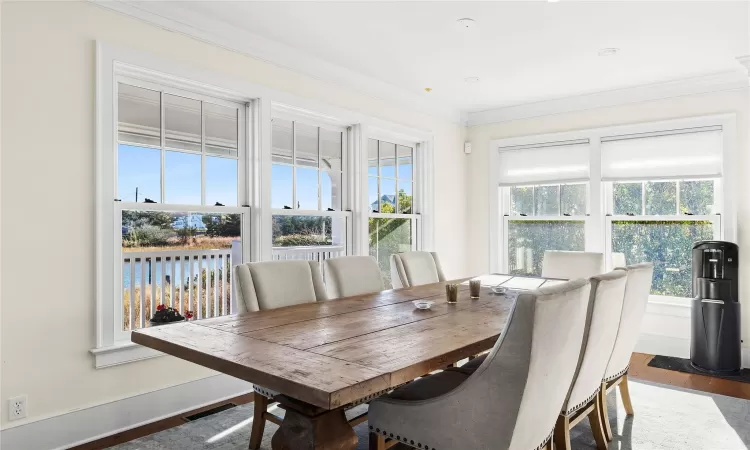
(639,370)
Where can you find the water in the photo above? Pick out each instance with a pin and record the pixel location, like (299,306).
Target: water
(210,264)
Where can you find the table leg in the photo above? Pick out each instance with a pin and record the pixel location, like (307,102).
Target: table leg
(307,427)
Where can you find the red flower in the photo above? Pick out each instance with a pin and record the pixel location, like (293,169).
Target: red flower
(161,307)
(188,314)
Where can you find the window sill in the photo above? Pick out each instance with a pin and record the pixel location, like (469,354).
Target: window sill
(121,353)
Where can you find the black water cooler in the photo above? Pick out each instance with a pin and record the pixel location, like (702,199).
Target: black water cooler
(715,344)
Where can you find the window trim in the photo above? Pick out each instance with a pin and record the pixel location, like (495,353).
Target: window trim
(595,234)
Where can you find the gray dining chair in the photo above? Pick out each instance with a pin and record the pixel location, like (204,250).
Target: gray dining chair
(506,401)
(571,265)
(637,290)
(269,285)
(415,268)
(347,276)
(600,332)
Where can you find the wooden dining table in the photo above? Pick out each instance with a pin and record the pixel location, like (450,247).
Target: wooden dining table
(323,357)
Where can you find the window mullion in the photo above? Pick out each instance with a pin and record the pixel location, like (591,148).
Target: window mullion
(294,167)
(203,156)
(162,132)
(677,197)
(643,198)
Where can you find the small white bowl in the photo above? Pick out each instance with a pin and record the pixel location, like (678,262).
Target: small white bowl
(423,304)
(498,290)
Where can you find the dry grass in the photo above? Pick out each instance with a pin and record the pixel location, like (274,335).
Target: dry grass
(171,297)
(195,243)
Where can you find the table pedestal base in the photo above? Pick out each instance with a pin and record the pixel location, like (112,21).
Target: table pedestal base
(307,427)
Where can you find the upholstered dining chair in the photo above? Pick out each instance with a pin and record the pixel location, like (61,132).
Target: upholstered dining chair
(268,285)
(637,290)
(505,401)
(571,265)
(415,268)
(352,275)
(605,307)
(618,260)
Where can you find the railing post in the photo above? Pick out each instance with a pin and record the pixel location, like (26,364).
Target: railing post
(235,259)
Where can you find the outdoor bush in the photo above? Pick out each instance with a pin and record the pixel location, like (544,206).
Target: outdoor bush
(294,240)
(147,235)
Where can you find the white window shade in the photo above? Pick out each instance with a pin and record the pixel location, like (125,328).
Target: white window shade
(692,153)
(559,162)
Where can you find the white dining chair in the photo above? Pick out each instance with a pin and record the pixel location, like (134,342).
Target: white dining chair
(269,285)
(505,402)
(571,265)
(603,318)
(637,291)
(347,276)
(415,268)
(618,260)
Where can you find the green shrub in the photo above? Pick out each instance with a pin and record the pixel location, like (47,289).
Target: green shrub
(147,236)
(297,240)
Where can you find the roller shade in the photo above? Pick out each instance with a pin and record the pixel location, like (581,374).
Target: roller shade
(693,153)
(558,162)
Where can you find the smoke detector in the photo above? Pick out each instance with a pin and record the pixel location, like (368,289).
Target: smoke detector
(466,23)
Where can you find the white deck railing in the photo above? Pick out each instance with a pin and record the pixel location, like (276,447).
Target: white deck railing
(308,253)
(198,281)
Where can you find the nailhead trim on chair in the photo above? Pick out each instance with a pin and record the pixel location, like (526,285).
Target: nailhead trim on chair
(264,392)
(582,404)
(618,375)
(403,439)
(546,440)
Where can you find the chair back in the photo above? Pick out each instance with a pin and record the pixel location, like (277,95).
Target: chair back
(637,290)
(511,398)
(572,265)
(618,260)
(352,275)
(603,318)
(273,284)
(415,268)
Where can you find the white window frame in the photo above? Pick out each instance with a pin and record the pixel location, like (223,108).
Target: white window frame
(263,103)
(600,195)
(509,216)
(418,186)
(345,212)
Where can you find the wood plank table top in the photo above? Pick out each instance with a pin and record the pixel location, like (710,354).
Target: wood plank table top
(335,352)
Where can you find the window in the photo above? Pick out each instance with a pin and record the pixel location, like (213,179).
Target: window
(393,221)
(550,215)
(308,187)
(657,189)
(544,217)
(178,188)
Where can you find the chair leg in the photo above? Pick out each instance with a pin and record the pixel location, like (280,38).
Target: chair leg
(260,405)
(377,441)
(548,445)
(625,394)
(595,419)
(562,433)
(604,413)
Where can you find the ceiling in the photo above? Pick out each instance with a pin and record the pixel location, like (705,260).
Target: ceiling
(522,51)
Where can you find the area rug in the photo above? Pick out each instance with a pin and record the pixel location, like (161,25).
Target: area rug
(684,365)
(666,418)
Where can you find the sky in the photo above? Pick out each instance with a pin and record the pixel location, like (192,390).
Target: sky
(141,167)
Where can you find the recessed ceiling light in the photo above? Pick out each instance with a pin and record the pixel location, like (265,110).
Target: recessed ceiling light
(428,90)
(471,79)
(608,51)
(466,23)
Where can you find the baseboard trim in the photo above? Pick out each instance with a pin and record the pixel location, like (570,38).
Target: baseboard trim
(89,424)
(654,344)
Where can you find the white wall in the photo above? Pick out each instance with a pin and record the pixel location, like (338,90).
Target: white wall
(667,326)
(48,85)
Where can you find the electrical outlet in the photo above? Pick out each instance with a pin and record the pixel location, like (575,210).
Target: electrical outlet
(17,407)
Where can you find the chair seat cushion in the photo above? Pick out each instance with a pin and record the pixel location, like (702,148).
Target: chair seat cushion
(430,386)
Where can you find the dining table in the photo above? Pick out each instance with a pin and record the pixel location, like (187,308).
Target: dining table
(323,357)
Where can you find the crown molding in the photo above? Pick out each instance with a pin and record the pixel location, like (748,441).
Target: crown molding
(171,16)
(714,82)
